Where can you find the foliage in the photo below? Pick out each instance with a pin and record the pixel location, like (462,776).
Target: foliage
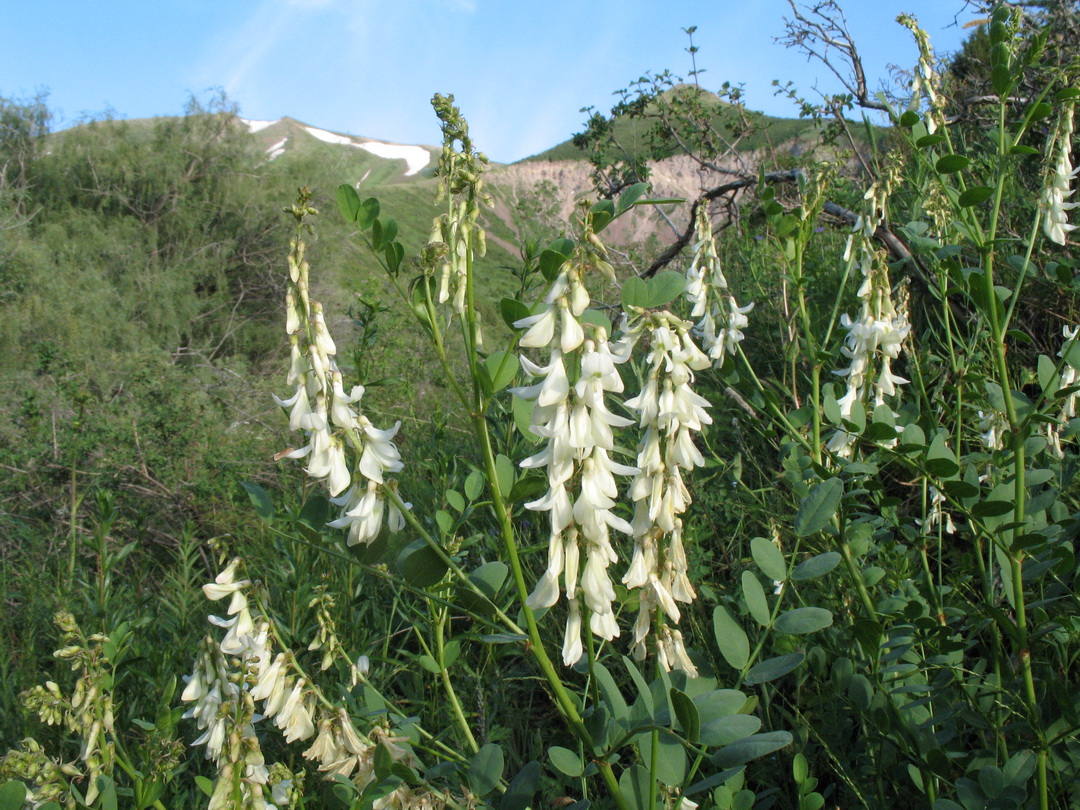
(850,580)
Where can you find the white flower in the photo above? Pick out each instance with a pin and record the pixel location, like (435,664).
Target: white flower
(1052,199)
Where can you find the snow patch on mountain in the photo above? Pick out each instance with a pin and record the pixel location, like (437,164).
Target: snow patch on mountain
(415,157)
(256,126)
(277,149)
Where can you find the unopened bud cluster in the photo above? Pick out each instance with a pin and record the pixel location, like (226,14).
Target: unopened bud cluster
(461,186)
(88,711)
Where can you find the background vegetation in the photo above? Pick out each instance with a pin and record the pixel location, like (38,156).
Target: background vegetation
(141,277)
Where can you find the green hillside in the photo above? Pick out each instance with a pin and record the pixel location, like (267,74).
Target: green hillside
(641,131)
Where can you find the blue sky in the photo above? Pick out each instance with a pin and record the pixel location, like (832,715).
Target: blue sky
(520,69)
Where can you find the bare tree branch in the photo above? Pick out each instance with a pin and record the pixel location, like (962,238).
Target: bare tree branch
(820,31)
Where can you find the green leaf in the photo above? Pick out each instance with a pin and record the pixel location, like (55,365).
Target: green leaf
(12,796)
(377,232)
(486,769)
(816,566)
(264,507)
(772,668)
(613,697)
(643,688)
(474,485)
(444,520)
(801,621)
(687,714)
(348,202)
(671,763)
(757,745)
(909,119)
(504,473)
(394,253)
(940,461)
(602,213)
(929,140)
(754,595)
(488,578)
(637,788)
(769,559)
(661,201)
(368,213)
(992,508)
(457,503)
(819,507)
(664,287)
(564,247)
(523,409)
(513,311)
(726,730)
(630,196)
(951,164)
(550,262)
(528,487)
(565,761)
(975,195)
(501,368)
(730,638)
(957,488)
(1020,767)
(315,513)
(635,293)
(205,785)
(106,792)
(430,664)
(420,565)
(519,795)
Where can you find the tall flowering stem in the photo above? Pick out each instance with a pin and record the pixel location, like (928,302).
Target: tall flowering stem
(669,412)
(335,427)
(574,418)
(240,681)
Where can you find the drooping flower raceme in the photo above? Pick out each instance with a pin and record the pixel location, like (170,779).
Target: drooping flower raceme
(574,420)
(926,80)
(669,412)
(1052,200)
(235,677)
(876,337)
(721,318)
(331,419)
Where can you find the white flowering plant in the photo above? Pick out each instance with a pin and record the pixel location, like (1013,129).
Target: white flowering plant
(785,518)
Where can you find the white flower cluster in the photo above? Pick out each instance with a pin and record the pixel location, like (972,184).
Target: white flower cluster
(992,429)
(926,80)
(224,703)
(878,334)
(669,413)
(1070,377)
(721,318)
(332,419)
(1052,200)
(577,425)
